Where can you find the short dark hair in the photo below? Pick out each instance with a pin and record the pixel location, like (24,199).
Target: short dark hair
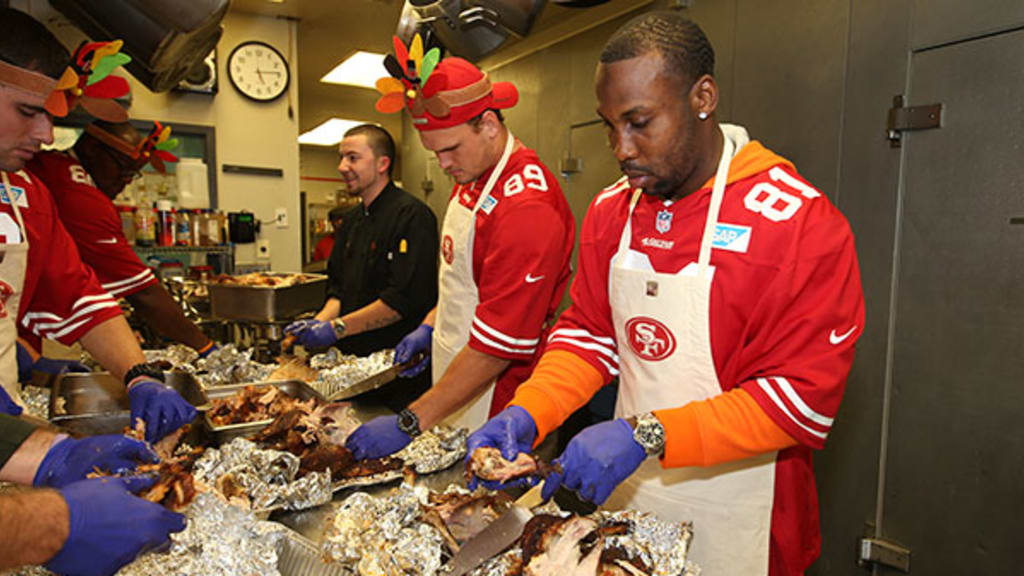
(474,122)
(26,43)
(378,139)
(680,41)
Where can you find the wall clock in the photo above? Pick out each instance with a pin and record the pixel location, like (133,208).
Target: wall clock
(258,71)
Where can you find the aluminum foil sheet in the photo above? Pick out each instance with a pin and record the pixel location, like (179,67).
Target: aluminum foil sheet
(37,401)
(435,449)
(219,540)
(267,476)
(229,365)
(28,571)
(178,355)
(339,371)
(660,544)
(383,536)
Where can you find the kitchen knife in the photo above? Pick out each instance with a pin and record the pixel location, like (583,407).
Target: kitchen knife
(376,381)
(497,536)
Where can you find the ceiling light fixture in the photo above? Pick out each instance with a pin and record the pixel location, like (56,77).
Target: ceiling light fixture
(328,133)
(360,69)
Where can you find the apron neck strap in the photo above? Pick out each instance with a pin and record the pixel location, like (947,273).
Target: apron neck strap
(627,232)
(14,204)
(717,192)
(510,143)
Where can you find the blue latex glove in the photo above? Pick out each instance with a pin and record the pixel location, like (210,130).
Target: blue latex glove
(69,460)
(596,460)
(209,350)
(312,333)
(45,365)
(160,407)
(418,340)
(109,526)
(512,431)
(377,438)
(7,406)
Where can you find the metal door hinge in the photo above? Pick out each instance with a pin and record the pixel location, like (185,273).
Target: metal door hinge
(903,118)
(883,553)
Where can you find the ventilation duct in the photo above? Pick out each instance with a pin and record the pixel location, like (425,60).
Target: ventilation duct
(468,28)
(165,38)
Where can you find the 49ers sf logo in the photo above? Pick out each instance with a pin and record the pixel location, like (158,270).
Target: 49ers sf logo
(650,339)
(448,249)
(5,292)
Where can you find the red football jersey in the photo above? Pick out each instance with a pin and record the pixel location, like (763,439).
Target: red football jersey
(61,298)
(786,308)
(522,252)
(92,220)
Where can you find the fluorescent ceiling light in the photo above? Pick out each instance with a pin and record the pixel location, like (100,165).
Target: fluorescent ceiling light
(329,133)
(360,69)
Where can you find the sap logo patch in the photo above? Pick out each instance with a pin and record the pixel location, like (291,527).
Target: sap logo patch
(489,203)
(731,237)
(19,196)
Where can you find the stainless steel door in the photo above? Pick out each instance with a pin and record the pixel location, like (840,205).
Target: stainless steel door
(954,478)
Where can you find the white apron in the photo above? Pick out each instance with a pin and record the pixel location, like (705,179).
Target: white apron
(458,296)
(664,345)
(13,262)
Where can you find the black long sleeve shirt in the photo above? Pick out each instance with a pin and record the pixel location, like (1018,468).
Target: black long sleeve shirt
(387,250)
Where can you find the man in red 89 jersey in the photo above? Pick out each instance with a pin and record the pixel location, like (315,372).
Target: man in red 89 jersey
(506,246)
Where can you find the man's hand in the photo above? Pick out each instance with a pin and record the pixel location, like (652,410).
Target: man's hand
(596,460)
(69,460)
(27,365)
(377,438)
(312,333)
(210,348)
(160,407)
(419,340)
(512,431)
(7,406)
(109,526)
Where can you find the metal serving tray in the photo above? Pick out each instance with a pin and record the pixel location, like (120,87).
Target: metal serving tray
(265,303)
(97,402)
(224,434)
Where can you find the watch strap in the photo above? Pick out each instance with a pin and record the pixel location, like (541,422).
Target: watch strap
(143,369)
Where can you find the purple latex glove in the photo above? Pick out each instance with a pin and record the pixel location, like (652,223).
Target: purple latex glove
(597,460)
(160,407)
(45,365)
(69,460)
(109,526)
(419,340)
(210,350)
(377,438)
(312,333)
(7,406)
(512,431)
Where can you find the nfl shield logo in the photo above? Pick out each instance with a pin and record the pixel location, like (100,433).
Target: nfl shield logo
(664,222)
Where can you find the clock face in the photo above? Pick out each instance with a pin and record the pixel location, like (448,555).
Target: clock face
(258,71)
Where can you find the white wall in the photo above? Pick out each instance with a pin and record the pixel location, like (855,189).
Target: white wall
(248,133)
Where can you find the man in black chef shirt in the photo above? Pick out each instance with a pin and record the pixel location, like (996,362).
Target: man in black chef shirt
(382,273)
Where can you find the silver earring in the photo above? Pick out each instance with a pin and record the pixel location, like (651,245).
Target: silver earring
(703,115)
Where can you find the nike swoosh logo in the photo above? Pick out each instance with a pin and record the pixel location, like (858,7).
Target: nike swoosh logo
(532,279)
(107,241)
(838,338)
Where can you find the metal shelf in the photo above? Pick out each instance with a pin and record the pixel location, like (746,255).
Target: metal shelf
(225,249)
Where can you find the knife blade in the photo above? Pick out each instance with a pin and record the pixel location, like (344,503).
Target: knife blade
(497,536)
(376,381)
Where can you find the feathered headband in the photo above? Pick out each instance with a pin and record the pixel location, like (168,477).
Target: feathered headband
(155,148)
(87,82)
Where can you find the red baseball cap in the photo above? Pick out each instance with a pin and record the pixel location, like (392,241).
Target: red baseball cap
(463,91)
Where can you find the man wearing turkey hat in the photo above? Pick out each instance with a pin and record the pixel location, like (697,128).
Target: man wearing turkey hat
(506,244)
(73,525)
(83,181)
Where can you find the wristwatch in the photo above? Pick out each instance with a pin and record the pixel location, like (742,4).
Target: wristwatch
(143,369)
(650,434)
(409,422)
(338,325)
